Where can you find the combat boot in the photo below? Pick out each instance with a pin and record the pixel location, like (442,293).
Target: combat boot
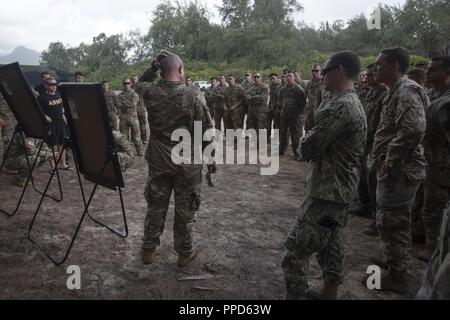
(148,256)
(184,261)
(394,281)
(328,291)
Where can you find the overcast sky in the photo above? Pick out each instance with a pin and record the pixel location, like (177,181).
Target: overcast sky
(36,23)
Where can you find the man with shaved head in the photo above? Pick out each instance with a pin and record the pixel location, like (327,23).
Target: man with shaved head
(334,148)
(171,105)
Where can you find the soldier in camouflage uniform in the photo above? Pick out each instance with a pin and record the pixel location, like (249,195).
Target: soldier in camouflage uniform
(313,93)
(127,102)
(171,106)
(210,96)
(111,98)
(219,105)
(437,183)
(246,84)
(278,106)
(293,101)
(17,158)
(368,186)
(334,148)
(141,113)
(302,83)
(399,159)
(235,98)
(436,281)
(7,130)
(273,88)
(124,150)
(258,112)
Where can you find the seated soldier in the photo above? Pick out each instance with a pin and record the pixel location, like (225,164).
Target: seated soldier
(124,150)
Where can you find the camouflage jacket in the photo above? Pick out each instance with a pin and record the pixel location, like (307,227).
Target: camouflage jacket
(313,93)
(373,108)
(278,104)
(435,285)
(273,95)
(234,97)
(220,94)
(334,148)
(111,102)
(171,106)
(436,146)
(397,142)
(293,99)
(127,101)
(258,97)
(247,85)
(122,143)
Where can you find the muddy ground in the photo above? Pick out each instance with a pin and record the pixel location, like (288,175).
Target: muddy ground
(240,232)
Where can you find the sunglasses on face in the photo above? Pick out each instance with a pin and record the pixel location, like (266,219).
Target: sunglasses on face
(257,77)
(51,84)
(126,83)
(315,71)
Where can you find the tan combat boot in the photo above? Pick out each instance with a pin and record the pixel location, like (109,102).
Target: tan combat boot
(184,261)
(148,256)
(395,281)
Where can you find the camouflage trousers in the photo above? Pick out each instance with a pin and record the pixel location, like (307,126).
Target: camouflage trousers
(20,161)
(436,198)
(125,160)
(317,229)
(436,280)
(114,120)
(129,120)
(233,119)
(158,191)
(289,121)
(7,133)
(143,123)
(259,120)
(219,115)
(395,199)
(309,119)
(301,124)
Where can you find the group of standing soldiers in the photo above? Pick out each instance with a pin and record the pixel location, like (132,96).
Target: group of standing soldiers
(286,104)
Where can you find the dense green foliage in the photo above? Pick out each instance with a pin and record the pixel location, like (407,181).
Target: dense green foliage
(254,35)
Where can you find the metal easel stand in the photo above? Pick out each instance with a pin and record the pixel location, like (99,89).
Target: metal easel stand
(19,131)
(85,211)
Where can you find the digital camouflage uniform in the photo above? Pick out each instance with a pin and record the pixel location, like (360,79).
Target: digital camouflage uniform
(111,103)
(277,107)
(219,106)
(143,122)
(8,130)
(302,119)
(235,98)
(246,84)
(171,106)
(436,281)
(293,101)
(124,150)
(127,105)
(368,184)
(259,117)
(400,163)
(17,158)
(437,182)
(313,93)
(334,148)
